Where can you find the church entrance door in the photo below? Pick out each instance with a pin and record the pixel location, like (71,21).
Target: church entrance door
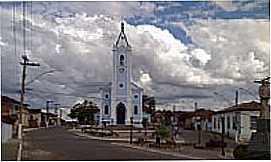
(121,113)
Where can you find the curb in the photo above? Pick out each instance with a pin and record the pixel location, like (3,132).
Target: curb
(19,153)
(160,152)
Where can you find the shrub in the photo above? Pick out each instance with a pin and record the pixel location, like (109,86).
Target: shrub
(163,132)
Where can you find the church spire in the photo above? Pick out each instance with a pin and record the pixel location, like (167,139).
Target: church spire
(122,37)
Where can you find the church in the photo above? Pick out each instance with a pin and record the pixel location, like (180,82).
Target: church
(121,99)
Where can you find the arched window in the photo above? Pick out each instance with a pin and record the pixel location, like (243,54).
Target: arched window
(121,60)
(106,96)
(135,109)
(106,109)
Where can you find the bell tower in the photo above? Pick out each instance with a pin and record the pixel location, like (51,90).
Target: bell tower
(121,81)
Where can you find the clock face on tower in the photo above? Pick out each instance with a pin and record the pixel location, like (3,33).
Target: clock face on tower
(121,70)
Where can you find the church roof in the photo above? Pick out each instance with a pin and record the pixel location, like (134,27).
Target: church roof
(122,38)
(135,85)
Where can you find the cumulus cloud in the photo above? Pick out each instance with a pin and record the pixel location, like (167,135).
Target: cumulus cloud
(233,5)
(79,48)
(234,47)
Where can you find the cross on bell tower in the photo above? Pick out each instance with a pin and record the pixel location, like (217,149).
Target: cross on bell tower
(122,39)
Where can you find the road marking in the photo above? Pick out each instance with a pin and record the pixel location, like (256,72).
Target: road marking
(19,153)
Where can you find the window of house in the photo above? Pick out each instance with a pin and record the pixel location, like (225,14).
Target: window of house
(215,123)
(218,126)
(106,109)
(135,109)
(121,60)
(228,122)
(234,122)
(253,122)
(15,109)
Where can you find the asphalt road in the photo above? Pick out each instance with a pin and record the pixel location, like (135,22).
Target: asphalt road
(59,144)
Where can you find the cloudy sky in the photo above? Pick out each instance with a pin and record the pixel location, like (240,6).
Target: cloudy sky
(183,52)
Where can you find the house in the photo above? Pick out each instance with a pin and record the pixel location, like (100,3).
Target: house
(9,108)
(50,116)
(168,117)
(10,113)
(201,117)
(240,120)
(186,120)
(34,118)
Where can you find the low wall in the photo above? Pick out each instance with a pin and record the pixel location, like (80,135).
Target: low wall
(6,132)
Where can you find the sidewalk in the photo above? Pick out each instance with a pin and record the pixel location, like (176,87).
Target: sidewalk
(9,150)
(113,139)
(182,152)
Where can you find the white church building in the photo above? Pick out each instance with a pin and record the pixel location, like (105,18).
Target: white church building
(121,99)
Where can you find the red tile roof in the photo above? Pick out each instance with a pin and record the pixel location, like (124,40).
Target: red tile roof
(250,106)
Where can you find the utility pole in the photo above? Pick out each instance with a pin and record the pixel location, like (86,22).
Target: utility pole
(236,98)
(24,64)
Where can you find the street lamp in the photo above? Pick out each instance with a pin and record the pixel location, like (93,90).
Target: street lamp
(25,63)
(47,112)
(56,112)
(131,130)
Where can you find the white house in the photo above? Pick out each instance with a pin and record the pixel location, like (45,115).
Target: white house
(240,121)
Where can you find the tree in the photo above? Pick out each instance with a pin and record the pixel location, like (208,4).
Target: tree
(84,112)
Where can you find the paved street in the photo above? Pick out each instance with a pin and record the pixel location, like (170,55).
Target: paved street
(59,144)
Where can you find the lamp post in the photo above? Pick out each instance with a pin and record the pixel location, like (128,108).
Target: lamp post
(131,130)
(199,129)
(56,112)
(222,135)
(24,63)
(47,112)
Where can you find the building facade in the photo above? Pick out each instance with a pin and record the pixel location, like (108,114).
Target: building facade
(121,99)
(10,113)
(239,121)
